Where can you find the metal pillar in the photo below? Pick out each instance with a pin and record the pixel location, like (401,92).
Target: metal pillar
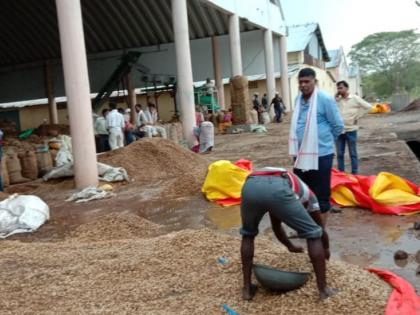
(185,89)
(217,72)
(235,45)
(269,66)
(49,90)
(76,81)
(284,73)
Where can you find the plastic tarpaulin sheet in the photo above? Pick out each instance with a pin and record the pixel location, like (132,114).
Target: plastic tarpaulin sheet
(403,299)
(224,181)
(385,193)
(380,108)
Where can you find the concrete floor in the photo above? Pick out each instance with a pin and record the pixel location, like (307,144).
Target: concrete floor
(357,235)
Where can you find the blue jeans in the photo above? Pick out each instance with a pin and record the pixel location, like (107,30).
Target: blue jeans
(351,139)
(278,112)
(319,181)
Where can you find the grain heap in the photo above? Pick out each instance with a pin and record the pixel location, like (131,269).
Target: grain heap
(176,273)
(154,160)
(116,226)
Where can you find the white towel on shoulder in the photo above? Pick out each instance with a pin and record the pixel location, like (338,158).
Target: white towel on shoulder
(307,155)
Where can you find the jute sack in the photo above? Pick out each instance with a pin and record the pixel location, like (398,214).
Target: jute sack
(29,165)
(4,173)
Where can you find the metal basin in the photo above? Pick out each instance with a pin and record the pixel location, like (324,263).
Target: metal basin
(278,280)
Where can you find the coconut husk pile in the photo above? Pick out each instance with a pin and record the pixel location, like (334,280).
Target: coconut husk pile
(153,160)
(414,105)
(176,273)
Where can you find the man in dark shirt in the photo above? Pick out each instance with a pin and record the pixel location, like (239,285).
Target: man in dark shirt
(278,107)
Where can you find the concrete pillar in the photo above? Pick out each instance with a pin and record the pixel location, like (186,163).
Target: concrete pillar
(235,45)
(76,82)
(269,66)
(284,73)
(49,90)
(185,89)
(132,99)
(217,71)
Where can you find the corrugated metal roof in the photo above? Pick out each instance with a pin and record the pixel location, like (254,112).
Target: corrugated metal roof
(29,30)
(335,58)
(300,35)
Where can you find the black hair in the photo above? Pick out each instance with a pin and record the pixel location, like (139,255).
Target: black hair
(343,83)
(307,72)
(112,105)
(104,111)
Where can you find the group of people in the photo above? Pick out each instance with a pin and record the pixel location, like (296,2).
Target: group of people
(320,125)
(264,107)
(114,128)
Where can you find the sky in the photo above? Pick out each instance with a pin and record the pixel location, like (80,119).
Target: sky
(345,23)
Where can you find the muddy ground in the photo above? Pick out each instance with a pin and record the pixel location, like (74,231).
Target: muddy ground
(357,236)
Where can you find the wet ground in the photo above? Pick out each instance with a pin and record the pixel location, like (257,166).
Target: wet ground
(357,236)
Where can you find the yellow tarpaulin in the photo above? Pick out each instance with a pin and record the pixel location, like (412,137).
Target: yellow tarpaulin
(224,180)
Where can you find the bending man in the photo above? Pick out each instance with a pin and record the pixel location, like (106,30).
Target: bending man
(282,194)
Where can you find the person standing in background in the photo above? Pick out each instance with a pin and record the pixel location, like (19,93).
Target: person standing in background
(279,107)
(264,102)
(352,107)
(316,124)
(101,132)
(115,125)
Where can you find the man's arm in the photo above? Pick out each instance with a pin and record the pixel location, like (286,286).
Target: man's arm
(362,103)
(282,237)
(334,117)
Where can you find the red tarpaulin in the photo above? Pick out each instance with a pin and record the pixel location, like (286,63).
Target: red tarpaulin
(403,299)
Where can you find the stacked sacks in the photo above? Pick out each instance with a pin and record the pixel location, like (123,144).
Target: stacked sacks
(29,165)
(240,102)
(14,168)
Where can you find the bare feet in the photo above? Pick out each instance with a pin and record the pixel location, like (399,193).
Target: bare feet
(249,293)
(328,292)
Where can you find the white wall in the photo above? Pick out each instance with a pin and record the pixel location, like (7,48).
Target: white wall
(26,84)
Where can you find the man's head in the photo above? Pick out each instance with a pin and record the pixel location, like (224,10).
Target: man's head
(138,108)
(105,112)
(307,80)
(121,110)
(112,106)
(342,88)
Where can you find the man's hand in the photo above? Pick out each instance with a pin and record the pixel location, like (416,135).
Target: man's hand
(327,253)
(295,249)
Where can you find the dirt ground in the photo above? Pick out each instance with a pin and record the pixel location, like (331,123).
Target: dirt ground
(357,236)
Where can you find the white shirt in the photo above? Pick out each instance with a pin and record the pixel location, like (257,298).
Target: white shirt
(115,120)
(100,126)
(141,119)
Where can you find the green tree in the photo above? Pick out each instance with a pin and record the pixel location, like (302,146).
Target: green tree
(388,56)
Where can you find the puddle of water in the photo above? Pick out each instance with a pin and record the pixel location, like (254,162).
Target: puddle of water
(225,217)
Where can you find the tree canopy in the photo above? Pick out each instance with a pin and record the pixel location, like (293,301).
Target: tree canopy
(389,61)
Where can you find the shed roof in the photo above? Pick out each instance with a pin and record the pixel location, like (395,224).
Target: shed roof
(29,29)
(300,35)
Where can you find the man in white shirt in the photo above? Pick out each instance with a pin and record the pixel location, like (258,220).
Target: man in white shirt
(149,120)
(101,132)
(351,107)
(115,125)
